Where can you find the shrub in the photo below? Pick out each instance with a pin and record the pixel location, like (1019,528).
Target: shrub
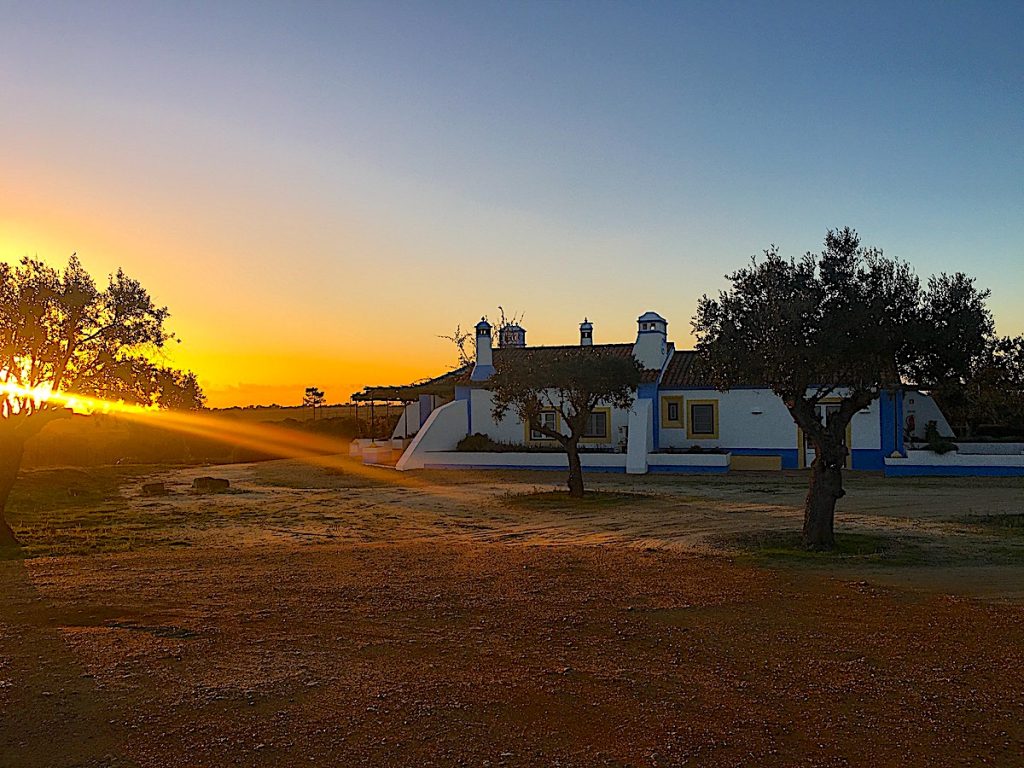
(478,442)
(936,442)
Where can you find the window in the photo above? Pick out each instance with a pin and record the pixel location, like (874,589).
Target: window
(703,422)
(599,426)
(672,412)
(548,419)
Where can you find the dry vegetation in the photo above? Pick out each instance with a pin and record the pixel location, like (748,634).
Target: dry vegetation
(338,616)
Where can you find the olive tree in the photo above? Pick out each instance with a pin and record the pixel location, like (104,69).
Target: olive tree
(993,392)
(572,382)
(60,333)
(845,324)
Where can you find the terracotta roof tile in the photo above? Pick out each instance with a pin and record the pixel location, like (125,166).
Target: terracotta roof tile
(508,355)
(684,370)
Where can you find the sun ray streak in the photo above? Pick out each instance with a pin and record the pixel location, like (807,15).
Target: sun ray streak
(317,450)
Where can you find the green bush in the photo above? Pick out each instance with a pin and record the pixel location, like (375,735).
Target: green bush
(936,442)
(481,443)
(478,442)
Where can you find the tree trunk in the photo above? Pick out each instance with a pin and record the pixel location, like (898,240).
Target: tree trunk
(11,450)
(575,471)
(825,490)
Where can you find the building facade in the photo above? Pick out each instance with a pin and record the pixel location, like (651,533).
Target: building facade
(677,422)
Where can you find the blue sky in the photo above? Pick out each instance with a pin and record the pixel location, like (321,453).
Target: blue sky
(366,175)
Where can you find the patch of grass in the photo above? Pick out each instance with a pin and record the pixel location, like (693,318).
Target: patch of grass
(310,477)
(854,549)
(41,491)
(553,501)
(1011,524)
(80,511)
(784,547)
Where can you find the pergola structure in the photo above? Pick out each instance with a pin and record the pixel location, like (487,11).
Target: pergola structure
(441,386)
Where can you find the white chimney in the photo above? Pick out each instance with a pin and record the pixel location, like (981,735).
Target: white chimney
(484,367)
(586,333)
(513,335)
(651,347)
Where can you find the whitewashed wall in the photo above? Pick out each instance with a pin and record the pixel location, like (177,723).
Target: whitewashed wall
(952,464)
(444,428)
(409,423)
(989,449)
(925,409)
(511,430)
(740,427)
(641,437)
(591,461)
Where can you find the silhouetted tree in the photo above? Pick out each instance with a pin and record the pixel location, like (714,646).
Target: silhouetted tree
(462,339)
(572,382)
(993,392)
(847,323)
(60,333)
(313,398)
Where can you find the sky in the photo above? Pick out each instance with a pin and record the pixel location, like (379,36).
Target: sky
(319,191)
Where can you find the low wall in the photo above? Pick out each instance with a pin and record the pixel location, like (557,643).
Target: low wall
(592,462)
(641,437)
(357,446)
(442,431)
(688,462)
(954,464)
(990,449)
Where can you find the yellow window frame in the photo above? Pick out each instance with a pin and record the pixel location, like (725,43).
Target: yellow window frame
(666,422)
(529,438)
(690,434)
(607,438)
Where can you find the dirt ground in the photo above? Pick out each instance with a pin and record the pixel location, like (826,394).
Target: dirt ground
(337,617)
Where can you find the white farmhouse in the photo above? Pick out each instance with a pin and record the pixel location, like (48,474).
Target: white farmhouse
(678,421)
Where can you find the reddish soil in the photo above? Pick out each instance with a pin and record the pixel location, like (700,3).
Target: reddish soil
(435,654)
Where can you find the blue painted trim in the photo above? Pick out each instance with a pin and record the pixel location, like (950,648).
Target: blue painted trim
(528,467)
(669,390)
(481,372)
(426,407)
(886,422)
(649,391)
(687,469)
(929,470)
(867,458)
(465,393)
(899,422)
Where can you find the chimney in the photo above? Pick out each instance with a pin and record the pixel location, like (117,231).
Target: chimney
(586,333)
(651,345)
(512,335)
(484,367)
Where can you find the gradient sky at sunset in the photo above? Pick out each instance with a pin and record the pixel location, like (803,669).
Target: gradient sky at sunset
(318,190)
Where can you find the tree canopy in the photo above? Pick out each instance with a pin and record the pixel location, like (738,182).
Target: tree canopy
(61,333)
(844,325)
(572,382)
(992,394)
(313,398)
